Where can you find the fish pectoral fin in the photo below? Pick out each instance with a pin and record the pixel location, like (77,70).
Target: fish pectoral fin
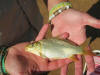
(87,51)
(74,58)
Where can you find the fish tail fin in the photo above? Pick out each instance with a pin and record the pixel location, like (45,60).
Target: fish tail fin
(88,52)
(86,47)
(86,43)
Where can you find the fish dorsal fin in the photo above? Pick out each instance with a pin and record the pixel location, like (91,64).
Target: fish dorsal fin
(86,43)
(49,33)
(70,42)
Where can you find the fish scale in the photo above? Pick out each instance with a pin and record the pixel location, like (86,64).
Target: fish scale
(54,49)
(59,49)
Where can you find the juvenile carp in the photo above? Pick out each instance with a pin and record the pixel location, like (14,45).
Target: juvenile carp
(55,49)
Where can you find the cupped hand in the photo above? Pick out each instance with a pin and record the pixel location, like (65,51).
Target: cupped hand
(20,62)
(74,22)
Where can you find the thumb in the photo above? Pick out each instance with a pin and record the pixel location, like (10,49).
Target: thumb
(91,21)
(42,32)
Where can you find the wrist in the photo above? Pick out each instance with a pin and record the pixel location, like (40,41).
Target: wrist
(58,9)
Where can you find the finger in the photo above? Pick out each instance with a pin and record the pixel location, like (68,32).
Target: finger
(63,36)
(78,66)
(19,47)
(90,62)
(42,32)
(58,64)
(89,20)
(93,73)
(48,65)
(64,70)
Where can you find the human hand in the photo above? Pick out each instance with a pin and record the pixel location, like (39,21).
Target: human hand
(74,23)
(19,62)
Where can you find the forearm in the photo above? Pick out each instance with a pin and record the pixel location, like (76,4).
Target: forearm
(52,3)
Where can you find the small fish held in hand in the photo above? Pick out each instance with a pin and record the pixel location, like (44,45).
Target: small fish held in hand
(54,48)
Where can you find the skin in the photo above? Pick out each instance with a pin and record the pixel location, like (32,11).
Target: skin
(74,22)
(19,62)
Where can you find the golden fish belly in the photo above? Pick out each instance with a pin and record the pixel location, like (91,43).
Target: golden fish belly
(58,49)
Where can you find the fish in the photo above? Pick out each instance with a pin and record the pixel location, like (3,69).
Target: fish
(55,48)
